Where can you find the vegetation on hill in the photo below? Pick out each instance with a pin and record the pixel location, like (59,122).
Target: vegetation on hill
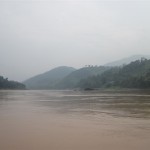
(73,79)
(5,84)
(63,77)
(126,61)
(134,75)
(48,79)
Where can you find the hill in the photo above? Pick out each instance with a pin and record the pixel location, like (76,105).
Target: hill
(94,76)
(72,80)
(48,79)
(6,84)
(134,75)
(127,60)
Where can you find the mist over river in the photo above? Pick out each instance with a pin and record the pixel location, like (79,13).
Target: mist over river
(74,120)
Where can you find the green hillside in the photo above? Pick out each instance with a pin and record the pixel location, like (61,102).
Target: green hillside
(63,77)
(126,61)
(73,79)
(134,75)
(48,79)
(6,84)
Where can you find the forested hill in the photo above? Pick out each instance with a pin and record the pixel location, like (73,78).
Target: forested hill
(48,79)
(5,84)
(63,77)
(134,75)
(126,61)
(73,79)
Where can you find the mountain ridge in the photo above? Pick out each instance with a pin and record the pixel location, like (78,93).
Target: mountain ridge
(72,80)
(127,60)
(134,75)
(47,79)
(64,77)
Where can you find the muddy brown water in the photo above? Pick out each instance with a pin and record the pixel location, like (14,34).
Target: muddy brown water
(75,120)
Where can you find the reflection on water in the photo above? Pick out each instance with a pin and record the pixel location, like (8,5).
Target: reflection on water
(36,120)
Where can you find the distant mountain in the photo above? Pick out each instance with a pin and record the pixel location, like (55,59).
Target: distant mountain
(48,79)
(6,84)
(63,77)
(134,75)
(91,76)
(72,80)
(127,60)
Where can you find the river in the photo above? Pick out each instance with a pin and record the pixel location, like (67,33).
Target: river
(74,120)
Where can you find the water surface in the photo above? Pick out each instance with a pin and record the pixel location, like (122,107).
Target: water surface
(75,120)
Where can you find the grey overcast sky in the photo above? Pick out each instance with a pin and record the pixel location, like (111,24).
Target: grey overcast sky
(38,35)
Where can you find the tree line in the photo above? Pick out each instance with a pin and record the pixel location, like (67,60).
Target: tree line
(6,84)
(134,75)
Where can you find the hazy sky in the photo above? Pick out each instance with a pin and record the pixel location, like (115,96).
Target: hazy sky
(38,35)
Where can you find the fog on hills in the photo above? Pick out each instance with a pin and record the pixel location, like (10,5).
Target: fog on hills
(39,35)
